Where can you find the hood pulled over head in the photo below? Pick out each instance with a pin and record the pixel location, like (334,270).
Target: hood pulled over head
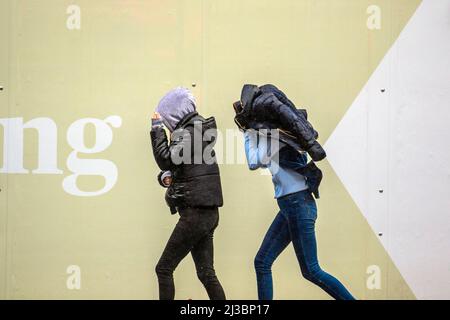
(175,105)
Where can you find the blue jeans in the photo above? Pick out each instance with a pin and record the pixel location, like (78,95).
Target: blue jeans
(295,222)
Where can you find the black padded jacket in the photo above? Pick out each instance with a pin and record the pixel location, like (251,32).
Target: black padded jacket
(195,177)
(269,107)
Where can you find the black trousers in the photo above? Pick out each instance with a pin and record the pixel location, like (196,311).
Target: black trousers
(193,233)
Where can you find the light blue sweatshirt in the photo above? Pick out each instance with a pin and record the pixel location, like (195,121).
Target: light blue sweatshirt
(260,152)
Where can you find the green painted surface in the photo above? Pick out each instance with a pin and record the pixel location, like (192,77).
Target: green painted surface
(126,55)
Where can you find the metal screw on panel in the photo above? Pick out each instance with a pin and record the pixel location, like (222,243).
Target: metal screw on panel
(193,84)
(380,234)
(383,90)
(381,191)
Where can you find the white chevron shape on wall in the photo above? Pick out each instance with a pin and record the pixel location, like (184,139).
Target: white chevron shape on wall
(391,151)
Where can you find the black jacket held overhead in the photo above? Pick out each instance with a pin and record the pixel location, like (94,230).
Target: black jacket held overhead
(195,179)
(268,107)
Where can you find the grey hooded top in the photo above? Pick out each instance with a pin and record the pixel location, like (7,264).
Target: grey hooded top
(175,105)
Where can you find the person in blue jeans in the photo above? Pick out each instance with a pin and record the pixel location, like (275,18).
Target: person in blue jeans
(295,222)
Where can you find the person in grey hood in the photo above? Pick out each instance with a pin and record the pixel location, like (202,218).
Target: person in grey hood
(174,106)
(195,190)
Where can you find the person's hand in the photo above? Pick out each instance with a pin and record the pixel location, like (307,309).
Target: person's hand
(167,181)
(156,120)
(165,178)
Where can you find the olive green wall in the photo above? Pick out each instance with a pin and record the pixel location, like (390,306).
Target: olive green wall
(124,57)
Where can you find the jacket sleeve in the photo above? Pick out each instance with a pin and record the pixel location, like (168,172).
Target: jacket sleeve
(267,105)
(160,147)
(167,156)
(257,152)
(251,150)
